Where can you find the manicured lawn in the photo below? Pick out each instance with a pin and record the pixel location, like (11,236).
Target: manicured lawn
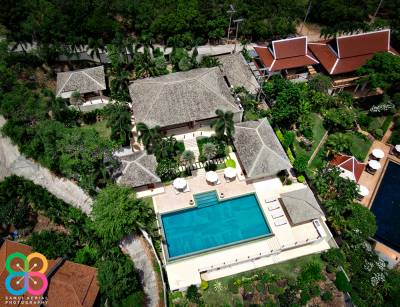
(318,134)
(101,128)
(360,146)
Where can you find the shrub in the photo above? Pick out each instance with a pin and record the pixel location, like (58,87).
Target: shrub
(290,155)
(210,166)
(311,272)
(339,118)
(301,179)
(364,120)
(315,290)
(334,257)
(342,283)
(260,287)
(233,286)
(52,244)
(193,294)
(288,138)
(166,169)
(230,163)
(301,163)
(326,296)
(204,285)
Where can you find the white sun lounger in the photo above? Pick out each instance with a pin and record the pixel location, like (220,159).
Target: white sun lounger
(280,222)
(278,214)
(273,206)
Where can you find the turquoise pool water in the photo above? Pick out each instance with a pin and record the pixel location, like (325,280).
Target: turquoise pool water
(213,224)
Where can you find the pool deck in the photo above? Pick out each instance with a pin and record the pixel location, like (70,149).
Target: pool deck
(288,241)
(372,182)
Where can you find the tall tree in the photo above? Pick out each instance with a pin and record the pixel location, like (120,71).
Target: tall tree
(223,125)
(119,120)
(150,137)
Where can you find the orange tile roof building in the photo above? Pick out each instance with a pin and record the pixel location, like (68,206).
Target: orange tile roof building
(69,284)
(346,54)
(285,54)
(351,168)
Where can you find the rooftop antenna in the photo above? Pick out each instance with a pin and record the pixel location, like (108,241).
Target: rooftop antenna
(231,11)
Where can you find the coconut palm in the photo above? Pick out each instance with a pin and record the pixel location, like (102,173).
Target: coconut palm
(338,143)
(188,157)
(223,125)
(209,151)
(150,137)
(96,45)
(166,148)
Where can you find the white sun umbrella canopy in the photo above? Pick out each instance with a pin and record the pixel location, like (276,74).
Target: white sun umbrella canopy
(179,183)
(363,190)
(230,172)
(374,164)
(212,176)
(397,147)
(378,153)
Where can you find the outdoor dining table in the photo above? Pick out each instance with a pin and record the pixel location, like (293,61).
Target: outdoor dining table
(212,177)
(363,190)
(230,172)
(179,183)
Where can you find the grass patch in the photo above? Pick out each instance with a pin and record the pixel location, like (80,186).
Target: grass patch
(360,145)
(101,128)
(318,133)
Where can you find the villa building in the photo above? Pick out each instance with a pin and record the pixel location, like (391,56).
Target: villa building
(258,150)
(342,56)
(350,167)
(289,57)
(185,99)
(88,83)
(69,283)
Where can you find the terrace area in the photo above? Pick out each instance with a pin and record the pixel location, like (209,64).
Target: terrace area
(286,242)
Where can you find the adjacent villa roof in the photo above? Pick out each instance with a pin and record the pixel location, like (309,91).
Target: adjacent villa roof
(348,53)
(301,206)
(351,168)
(181,97)
(259,150)
(286,53)
(71,284)
(83,81)
(138,169)
(236,69)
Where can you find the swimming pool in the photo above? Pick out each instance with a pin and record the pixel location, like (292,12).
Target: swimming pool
(386,207)
(213,224)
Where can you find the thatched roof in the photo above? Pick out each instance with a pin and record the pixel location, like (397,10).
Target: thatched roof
(301,205)
(83,81)
(181,97)
(138,169)
(259,150)
(235,67)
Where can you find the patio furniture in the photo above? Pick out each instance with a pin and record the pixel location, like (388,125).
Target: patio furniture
(273,207)
(374,165)
(179,184)
(280,222)
(230,174)
(212,177)
(378,153)
(395,151)
(278,214)
(363,191)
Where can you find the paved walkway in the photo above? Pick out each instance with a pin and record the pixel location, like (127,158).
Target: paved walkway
(13,162)
(136,247)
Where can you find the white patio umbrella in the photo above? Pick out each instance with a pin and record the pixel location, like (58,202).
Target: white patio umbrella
(363,190)
(211,176)
(374,164)
(179,183)
(230,172)
(377,153)
(397,147)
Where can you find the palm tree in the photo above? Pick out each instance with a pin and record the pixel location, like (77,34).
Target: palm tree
(96,45)
(188,157)
(209,151)
(119,119)
(150,137)
(223,125)
(166,148)
(338,143)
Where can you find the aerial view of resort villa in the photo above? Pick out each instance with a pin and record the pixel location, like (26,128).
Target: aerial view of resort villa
(200,153)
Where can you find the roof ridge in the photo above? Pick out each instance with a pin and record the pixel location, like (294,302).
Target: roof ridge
(307,190)
(142,167)
(219,95)
(62,87)
(153,102)
(84,72)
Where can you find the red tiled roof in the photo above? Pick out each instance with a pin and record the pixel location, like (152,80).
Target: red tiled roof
(71,285)
(350,164)
(286,54)
(353,51)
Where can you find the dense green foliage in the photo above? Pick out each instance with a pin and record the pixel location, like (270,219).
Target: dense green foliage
(116,213)
(52,244)
(119,119)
